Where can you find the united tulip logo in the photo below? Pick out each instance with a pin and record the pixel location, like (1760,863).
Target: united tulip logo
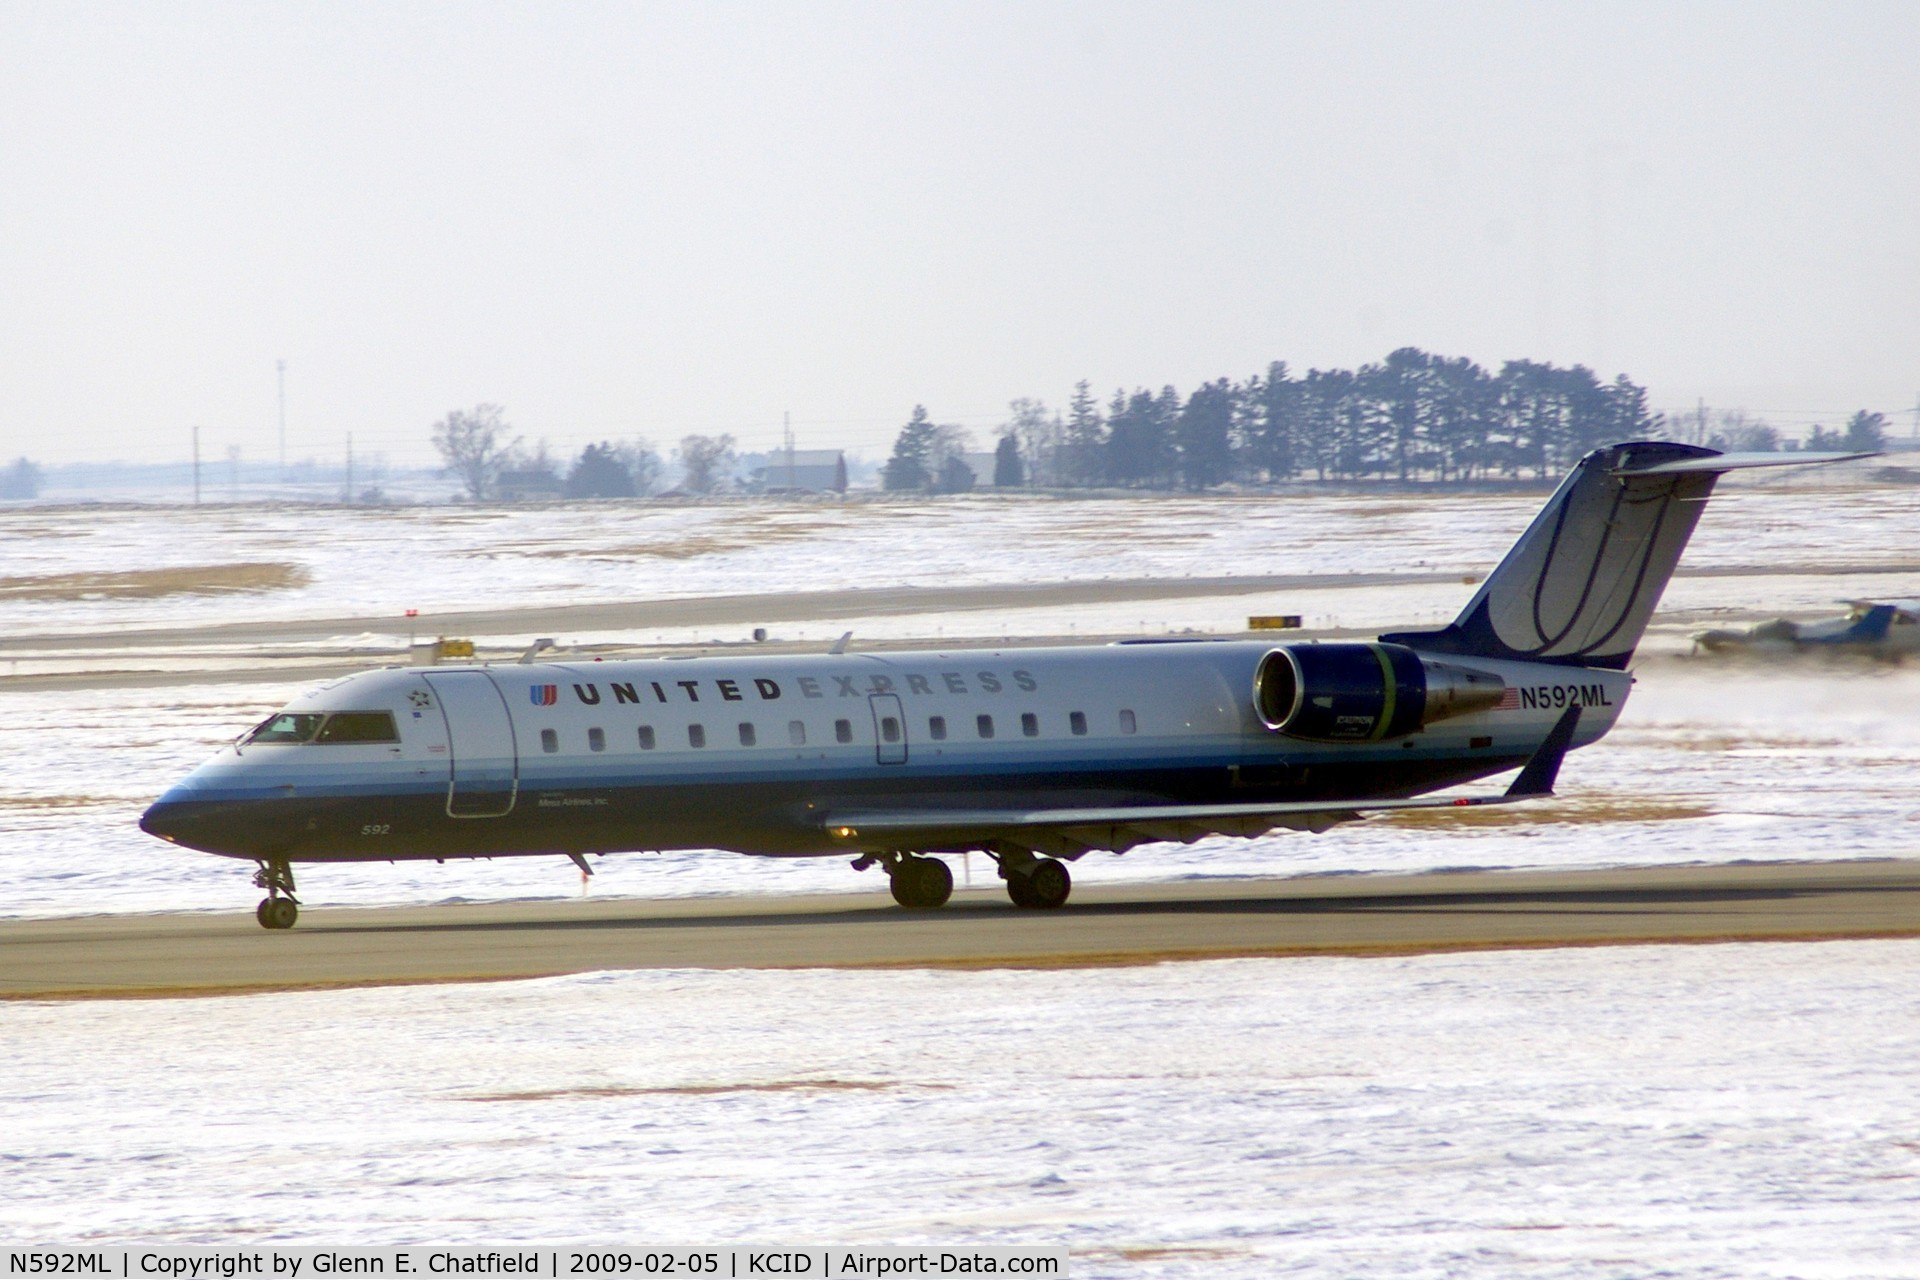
(544,695)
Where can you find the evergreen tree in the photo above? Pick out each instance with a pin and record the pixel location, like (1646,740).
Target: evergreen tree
(1628,417)
(1866,432)
(1086,444)
(1400,385)
(954,476)
(1008,473)
(1204,434)
(1140,442)
(1271,428)
(599,473)
(907,468)
(20,480)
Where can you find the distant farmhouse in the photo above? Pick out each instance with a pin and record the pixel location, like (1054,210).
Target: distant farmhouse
(534,484)
(982,465)
(802,471)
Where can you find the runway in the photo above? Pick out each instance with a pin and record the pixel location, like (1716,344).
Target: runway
(212,954)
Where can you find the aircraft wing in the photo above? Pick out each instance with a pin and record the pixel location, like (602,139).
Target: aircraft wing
(1074,831)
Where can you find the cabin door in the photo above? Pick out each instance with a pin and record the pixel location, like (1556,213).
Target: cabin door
(485,775)
(889,728)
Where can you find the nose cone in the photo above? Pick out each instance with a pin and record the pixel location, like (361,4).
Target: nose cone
(185,817)
(164,818)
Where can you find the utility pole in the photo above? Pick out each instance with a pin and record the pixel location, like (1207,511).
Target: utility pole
(196,466)
(786,422)
(349,468)
(280,366)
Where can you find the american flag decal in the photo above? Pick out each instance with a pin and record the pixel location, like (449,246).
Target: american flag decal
(1509,701)
(545,695)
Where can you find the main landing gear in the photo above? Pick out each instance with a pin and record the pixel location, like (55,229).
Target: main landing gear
(279,909)
(918,884)
(1042,883)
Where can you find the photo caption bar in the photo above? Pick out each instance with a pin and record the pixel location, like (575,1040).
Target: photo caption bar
(568,1262)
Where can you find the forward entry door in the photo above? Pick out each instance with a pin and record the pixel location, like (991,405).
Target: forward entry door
(486,761)
(889,728)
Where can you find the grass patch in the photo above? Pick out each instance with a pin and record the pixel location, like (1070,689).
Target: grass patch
(150,584)
(737,535)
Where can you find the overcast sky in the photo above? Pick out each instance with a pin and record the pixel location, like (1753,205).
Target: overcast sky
(626,220)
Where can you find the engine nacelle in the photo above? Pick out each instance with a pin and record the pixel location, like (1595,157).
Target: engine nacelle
(1364,692)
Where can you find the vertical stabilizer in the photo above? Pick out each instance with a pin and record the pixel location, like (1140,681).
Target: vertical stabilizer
(1582,581)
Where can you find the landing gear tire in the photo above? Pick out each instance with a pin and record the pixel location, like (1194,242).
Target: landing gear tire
(279,909)
(1044,887)
(921,884)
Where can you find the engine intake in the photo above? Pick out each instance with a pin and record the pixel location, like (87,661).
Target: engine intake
(1364,692)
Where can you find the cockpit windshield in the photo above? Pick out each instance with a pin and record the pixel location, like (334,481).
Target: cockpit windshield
(286,727)
(341,726)
(359,726)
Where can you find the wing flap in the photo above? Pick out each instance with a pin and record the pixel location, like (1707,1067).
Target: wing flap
(1072,832)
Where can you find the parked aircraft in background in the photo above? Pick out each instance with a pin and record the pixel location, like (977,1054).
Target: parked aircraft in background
(1868,628)
(1032,756)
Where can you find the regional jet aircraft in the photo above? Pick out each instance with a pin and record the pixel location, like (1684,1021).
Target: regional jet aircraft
(1869,628)
(1033,757)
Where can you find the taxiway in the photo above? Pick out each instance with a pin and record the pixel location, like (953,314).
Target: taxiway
(206,953)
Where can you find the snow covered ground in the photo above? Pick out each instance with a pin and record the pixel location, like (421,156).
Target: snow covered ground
(378,561)
(1709,1111)
(1678,1111)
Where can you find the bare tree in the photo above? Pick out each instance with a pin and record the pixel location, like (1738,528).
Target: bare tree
(1038,438)
(474,444)
(706,460)
(1740,434)
(642,463)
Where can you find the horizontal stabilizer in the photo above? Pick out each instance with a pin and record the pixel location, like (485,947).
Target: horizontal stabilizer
(1721,463)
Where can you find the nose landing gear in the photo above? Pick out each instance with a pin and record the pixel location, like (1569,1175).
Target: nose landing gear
(279,909)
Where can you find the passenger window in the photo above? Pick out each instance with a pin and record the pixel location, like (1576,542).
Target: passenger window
(286,728)
(1077,721)
(646,737)
(1126,722)
(747,737)
(696,735)
(937,728)
(985,725)
(549,741)
(843,731)
(889,729)
(797,732)
(1030,724)
(596,739)
(359,726)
